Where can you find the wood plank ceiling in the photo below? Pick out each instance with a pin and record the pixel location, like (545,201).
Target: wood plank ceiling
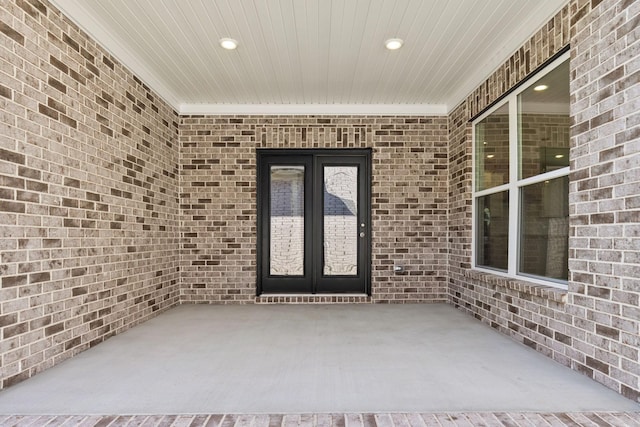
(311,52)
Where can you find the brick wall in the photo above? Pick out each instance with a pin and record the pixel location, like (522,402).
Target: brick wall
(604,257)
(88,193)
(91,203)
(593,327)
(409,199)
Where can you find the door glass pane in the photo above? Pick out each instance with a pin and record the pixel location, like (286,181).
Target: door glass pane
(340,211)
(492,248)
(492,149)
(287,221)
(543,124)
(544,231)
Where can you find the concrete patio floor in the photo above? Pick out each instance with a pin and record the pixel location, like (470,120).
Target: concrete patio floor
(275,359)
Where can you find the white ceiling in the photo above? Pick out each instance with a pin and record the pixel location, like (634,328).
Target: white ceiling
(311,56)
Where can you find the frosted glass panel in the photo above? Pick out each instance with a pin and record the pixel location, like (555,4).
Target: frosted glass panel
(287,221)
(340,209)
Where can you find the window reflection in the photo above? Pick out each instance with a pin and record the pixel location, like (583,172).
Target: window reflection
(544,229)
(528,163)
(492,149)
(340,222)
(492,216)
(543,124)
(287,221)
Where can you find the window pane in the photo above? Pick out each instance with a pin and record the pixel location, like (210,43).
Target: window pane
(543,124)
(492,149)
(492,249)
(287,221)
(340,211)
(544,230)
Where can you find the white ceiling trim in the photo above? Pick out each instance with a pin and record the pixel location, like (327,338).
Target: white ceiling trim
(102,37)
(294,91)
(316,109)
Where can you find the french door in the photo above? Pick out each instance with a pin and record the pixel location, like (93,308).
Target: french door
(314,221)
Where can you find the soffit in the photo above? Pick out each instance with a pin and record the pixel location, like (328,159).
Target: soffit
(314,55)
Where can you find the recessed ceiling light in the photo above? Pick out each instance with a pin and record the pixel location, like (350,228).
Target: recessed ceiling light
(393,44)
(490,156)
(228,44)
(559,156)
(540,88)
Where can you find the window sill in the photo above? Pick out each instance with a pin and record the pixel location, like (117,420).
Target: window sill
(534,289)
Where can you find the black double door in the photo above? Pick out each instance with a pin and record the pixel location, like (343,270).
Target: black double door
(314,221)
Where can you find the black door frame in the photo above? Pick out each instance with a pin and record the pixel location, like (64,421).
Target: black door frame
(313,282)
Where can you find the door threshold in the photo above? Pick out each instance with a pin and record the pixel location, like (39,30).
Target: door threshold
(355,298)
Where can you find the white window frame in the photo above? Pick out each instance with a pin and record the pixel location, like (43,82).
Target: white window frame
(514,185)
